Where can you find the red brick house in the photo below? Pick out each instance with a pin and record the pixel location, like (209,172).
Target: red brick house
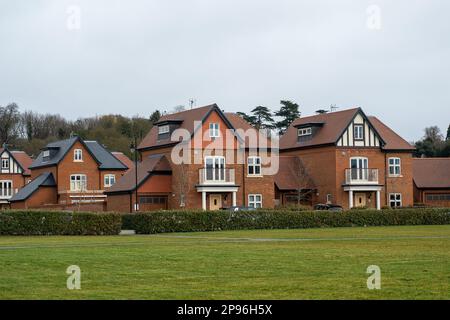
(70,172)
(14,173)
(218,167)
(348,159)
(432,181)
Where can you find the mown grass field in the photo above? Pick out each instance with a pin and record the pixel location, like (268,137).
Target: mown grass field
(275,264)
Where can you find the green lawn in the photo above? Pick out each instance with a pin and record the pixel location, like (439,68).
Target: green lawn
(275,264)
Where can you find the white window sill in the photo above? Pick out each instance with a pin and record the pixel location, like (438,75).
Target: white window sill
(78,161)
(255,176)
(395,176)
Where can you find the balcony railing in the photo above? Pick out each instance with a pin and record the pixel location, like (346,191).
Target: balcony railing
(361,176)
(216,176)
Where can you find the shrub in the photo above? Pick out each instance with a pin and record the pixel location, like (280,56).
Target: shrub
(191,221)
(30,222)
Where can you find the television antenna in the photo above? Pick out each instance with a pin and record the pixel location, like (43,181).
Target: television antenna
(333,108)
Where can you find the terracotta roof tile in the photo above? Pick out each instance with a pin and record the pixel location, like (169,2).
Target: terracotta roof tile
(393,140)
(334,125)
(148,165)
(431,172)
(187,117)
(124,159)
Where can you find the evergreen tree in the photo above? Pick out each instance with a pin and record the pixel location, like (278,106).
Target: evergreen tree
(448,134)
(288,112)
(155,116)
(250,119)
(263,118)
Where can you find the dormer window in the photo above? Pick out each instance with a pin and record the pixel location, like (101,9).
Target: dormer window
(78,155)
(46,153)
(163,129)
(304,132)
(214,130)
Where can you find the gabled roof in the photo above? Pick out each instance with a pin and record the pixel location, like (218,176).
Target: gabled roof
(44,180)
(292,174)
(334,124)
(103,157)
(149,165)
(23,160)
(124,159)
(186,120)
(239,123)
(392,140)
(431,172)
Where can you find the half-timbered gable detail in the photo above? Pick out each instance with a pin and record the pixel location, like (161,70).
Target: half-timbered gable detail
(360,133)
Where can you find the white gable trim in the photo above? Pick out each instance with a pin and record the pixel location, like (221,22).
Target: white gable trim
(370,137)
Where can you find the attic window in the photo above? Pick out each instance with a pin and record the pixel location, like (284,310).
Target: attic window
(304,132)
(46,154)
(214,130)
(359,132)
(163,129)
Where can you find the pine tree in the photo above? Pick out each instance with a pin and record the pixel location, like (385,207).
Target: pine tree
(250,119)
(288,112)
(263,118)
(155,116)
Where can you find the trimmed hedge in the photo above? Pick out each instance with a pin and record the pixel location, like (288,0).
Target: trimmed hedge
(30,222)
(191,221)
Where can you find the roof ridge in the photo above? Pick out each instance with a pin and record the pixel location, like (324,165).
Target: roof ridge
(328,113)
(177,113)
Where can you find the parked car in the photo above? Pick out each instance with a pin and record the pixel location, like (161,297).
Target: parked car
(236,209)
(329,207)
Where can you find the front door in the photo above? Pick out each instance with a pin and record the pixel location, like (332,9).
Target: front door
(360,200)
(215,201)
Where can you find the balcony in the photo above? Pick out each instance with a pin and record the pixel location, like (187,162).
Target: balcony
(361,176)
(216,176)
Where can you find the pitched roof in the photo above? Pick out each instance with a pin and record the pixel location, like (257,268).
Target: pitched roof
(292,174)
(186,120)
(23,159)
(150,165)
(431,172)
(43,180)
(334,124)
(103,157)
(239,123)
(124,159)
(392,140)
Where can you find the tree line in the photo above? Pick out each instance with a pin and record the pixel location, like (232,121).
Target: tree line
(30,131)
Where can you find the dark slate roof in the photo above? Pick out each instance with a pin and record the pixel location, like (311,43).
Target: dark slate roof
(61,147)
(44,180)
(103,157)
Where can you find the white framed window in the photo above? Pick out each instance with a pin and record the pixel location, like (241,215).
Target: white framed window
(46,153)
(329,198)
(255,200)
(359,168)
(254,166)
(6,188)
(215,168)
(5,163)
(358,132)
(395,167)
(163,129)
(304,132)
(109,180)
(395,200)
(78,155)
(78,182)
(214,130)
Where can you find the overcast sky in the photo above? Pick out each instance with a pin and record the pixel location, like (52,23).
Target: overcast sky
(392,58)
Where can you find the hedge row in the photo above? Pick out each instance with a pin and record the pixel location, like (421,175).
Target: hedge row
(30,222)
(191,221)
